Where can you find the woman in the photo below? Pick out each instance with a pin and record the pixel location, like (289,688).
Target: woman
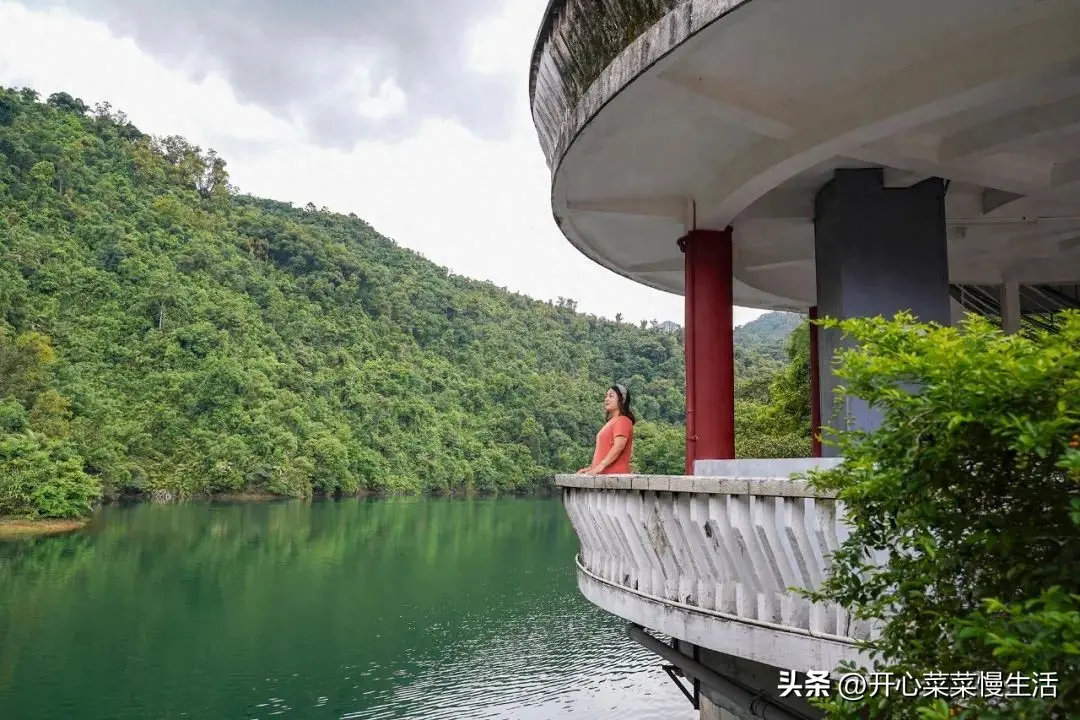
(616,438)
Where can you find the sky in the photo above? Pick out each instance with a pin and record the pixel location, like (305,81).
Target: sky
(412,114)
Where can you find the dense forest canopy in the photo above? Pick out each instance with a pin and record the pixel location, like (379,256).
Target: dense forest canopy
(160,333)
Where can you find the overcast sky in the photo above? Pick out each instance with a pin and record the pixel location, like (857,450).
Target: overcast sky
(413,114)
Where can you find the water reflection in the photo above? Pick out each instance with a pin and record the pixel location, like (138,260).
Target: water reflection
(375,610)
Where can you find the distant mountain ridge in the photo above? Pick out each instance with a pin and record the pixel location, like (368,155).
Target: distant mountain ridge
(768,334)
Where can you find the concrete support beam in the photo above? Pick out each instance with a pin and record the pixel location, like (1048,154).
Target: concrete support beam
(993,199)
(1069,245)
(896,178)
(1065,173)
(1010,307)
(666,265)
(724,105)
(1022,124)
(709,343)
(982,69)
(669,206)
(879,251)
(1042,271)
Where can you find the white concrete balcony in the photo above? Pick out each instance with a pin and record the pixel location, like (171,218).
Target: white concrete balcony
(712,560)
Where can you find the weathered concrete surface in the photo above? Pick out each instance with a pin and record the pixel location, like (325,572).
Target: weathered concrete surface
(760,678)
(764,486)
(713,712)
(765,467)
(560,110)
(714,565)
(767,645)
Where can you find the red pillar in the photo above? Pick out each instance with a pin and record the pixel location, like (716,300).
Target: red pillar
(710,357)
(815,388)
(688,349)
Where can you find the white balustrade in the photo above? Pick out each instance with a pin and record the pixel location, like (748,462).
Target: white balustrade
(734,548)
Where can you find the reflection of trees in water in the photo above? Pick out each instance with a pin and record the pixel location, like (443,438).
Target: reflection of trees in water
(156,594)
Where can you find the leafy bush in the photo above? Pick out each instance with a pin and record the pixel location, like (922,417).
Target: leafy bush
(659,449)
(43,478)
(971,490)
(779,427)
(13,416)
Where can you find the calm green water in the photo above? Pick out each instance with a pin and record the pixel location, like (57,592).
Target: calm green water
(359,609)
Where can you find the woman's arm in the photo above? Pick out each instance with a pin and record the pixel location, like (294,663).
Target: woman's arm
(616,449)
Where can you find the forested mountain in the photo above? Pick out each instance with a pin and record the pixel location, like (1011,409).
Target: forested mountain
(160,333)
(767,335)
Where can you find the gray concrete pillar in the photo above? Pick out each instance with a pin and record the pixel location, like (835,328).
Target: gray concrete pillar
(1010,307)
(709,711)
(878,251)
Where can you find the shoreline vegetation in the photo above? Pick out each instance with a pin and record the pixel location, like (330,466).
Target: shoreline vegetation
(163,334)
(23,528)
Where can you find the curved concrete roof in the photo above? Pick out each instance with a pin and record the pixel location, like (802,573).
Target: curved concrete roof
(736,112)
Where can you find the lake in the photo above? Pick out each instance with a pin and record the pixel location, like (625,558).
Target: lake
(359,609)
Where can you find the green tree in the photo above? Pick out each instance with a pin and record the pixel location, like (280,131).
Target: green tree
(66,103)
(659,449)
(25,363)
(42,478)
(970,492)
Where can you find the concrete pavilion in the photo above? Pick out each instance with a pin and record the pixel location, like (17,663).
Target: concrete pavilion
(849,158)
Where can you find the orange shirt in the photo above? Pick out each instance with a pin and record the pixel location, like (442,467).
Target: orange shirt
(619,425)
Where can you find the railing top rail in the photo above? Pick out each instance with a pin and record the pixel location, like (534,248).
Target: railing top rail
(714,485)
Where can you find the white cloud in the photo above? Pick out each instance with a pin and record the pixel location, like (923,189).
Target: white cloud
(479,207)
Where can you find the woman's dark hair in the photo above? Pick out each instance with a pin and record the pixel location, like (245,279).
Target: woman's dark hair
(624,401)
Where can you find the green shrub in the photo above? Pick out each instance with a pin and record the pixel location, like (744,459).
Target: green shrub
(13,416)
(292,477)
(659,449)
(971,487)
(43,478)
